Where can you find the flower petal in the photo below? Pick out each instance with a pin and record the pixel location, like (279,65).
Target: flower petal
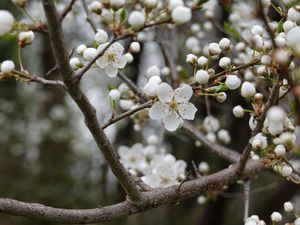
(110,70)
(158,111)
(187,110)
(165,93)
(116,48)
(121,62)
(102,62)
(172,121)
(123,151)
(183,94)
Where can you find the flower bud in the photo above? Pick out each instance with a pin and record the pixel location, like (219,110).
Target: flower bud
(89,54)
(202,61)
(221,97)
(225,44)
(25,38)
(286,171)
(232,82)
(225,62)
(288,207)
(202,76)
(191,59)
(238,111)
(214,49)
(276,217)
(136,19)
(6,22)
(135,47)
(115,94)
(7,66)
(248,89)
(101,36)
(280,150)
(181,14)
(75,63)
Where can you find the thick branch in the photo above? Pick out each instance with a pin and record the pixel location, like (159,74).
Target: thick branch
(61,57)
(151,199)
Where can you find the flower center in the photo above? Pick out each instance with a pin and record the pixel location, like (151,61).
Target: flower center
(111,56)
(173,105)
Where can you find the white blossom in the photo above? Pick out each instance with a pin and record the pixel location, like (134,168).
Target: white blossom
(89,54)
(202,76)
(232,82)
(173,106)
(225,44)
(225,62)
(202,61)
(238,111)
(101,36)
(181,14)
(112,60)
(7,66)
(136,19)
(115,94)
(80,49)
(276,217)
(25,38)
(6,22)
(214,49)
(280,150)
(288,207)
(75,63)
(248,89)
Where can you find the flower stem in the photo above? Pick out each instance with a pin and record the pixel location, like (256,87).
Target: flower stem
(20,58)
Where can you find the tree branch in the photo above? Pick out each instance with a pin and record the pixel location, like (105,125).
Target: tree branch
(151,199)
(61,57)
(66,10)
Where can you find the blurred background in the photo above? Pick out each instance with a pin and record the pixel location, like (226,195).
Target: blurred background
(48,156)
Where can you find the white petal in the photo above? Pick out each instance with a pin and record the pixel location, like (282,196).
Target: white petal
(172,121)
(165,92)
(121,62)
(158,111)
(187,111)
(117,48)
(183,94)
(111,71)
(151,180)
(123,151)
(102,62)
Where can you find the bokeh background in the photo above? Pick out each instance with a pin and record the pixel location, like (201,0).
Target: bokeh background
(48,156)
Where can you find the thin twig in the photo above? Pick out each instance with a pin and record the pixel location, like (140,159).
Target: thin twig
(88,16)
(246,199)
(66,10)
(127,114)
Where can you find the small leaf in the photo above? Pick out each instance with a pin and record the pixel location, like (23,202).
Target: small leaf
(232,31)
(110,87)
(123,15)
(200,2)
(280,26)
(218,88)
(112,103)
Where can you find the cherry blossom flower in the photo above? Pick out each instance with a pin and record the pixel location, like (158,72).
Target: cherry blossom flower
(112,60)
(173,106)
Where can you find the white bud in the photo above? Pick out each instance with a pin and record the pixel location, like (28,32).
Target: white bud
(153,139)
(257,144)
(276,114)
(202,200)
(281,56)
(129,57)
(225,44)
(297,221)
(280,150)
(257,30)
(257,42)
(203,167)
(80,49)
(95,7)
(293,14)
(126,104)
(123,88)
(275,127)
(89,54)
(238,111)
(276,217)
(214,49)
(292,38)
(221,97)
(248,89)
(75,63)
(165,71)
(136,19)
(7,66)
(191,42)
(115,94)
(155,79)
(150,3)
(116,4)
(225,62)
(288,207)
(181,14)
(288,25)
(135,47)
(286,171)
(191,59)
(232,82)
(25,38)
(202,76)
(150,89)
(240,46)
(152,71)
(266,59)
(223,135)
(202,61)
(252,123)
(211,137)
(101,36)
(174,3)
(6,22)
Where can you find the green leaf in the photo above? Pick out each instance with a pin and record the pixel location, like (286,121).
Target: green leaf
(110,87)
(218,88)
(200,2)
(280,26)
(123,15)
(112,103)
(232,31)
